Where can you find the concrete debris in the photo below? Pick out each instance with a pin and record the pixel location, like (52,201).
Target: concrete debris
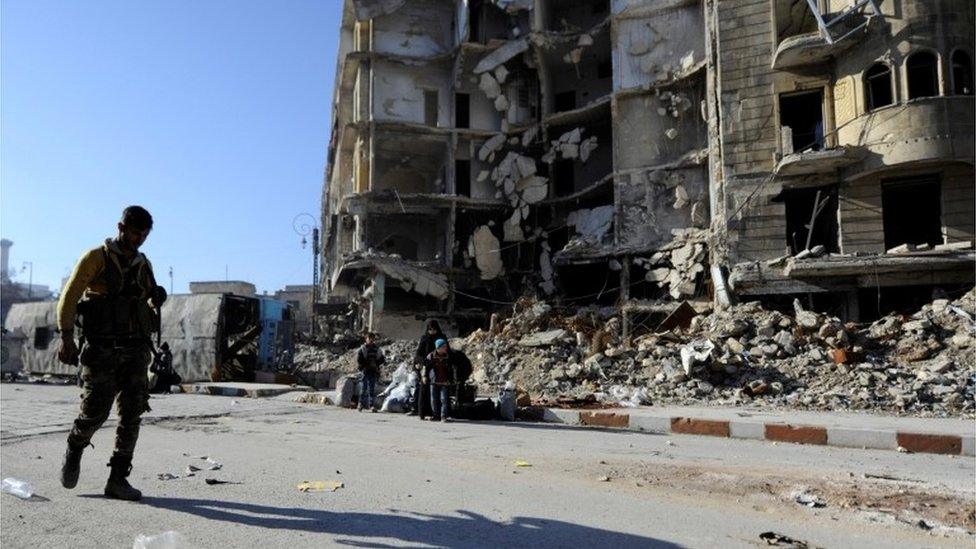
(671,133)
(490,146)
(489,86)
(485,249)
(512,228)
(534,189)
(505,52)
(680,197)
(501,74)
(529,136)
(482,176)
(569,150)
(584,40)
(501,103)
(547,285)
(587,147)
(744,355)
(543,339)
(640,47)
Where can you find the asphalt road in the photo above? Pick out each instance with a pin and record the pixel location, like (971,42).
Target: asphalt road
(419,484)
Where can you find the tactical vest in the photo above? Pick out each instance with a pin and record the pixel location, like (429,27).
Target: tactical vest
(123,312)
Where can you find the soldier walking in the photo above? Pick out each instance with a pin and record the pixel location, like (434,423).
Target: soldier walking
(113,296)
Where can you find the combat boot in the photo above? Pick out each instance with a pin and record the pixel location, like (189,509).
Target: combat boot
(117,486)
(71,466)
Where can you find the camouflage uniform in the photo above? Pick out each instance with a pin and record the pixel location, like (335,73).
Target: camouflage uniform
(116,322)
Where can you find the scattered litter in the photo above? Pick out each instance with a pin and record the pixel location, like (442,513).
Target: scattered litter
(903,450)
(213,464)
(167,476)
(772,538)
(520,463)
(804,497)
(320,486)
(213,481)
(924,525)
(166,540)
(604,479)
(669,443)
(191,470)
(234,403)
(17,487)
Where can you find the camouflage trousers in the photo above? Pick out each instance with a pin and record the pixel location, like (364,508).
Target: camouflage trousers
(111,373)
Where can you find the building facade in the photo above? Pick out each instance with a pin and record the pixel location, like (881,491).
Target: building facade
(635,153)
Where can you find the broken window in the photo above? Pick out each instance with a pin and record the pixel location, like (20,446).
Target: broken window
(430,107)
(962,73)
(400,245)
(922,72)
(811,218)
(462,177)
(462,110)
(877,86)
(565,101)
(802,113)
(912,211)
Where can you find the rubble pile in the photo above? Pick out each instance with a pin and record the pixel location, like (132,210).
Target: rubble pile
(341,358)
(919,365)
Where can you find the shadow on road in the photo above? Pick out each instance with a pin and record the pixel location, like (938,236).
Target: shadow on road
(465,529)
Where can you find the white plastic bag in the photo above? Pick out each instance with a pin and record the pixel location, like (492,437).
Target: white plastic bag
(166,540)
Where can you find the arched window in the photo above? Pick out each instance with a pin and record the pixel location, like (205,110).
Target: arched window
(877,86)
(922,73)
(962,73)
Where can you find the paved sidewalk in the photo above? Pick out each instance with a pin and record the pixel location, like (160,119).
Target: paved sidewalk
(28,409)
(853,430)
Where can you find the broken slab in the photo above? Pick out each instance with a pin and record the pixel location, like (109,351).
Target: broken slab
(489,86)
(507,51)
(543,339)
(534,189)
(486,251)
(369,9)
(490,146)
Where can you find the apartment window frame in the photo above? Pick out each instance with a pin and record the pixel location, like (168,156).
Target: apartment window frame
(967,67)
(870,99)
(911,73)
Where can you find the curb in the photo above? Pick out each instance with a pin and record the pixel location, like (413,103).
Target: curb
(923,443)
(257,392)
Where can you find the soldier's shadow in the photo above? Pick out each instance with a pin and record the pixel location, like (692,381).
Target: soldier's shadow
(363,529)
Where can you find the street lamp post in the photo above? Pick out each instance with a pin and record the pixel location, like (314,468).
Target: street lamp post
(305,224)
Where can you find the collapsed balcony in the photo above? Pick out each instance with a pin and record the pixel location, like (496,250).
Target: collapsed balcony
(806,36)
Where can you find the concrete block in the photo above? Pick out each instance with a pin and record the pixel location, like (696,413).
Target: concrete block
(746,429)
(862,438)
(650,424)
(605,419)
(969,446)
(707,427)
(930,444)
(556,415)
(799,434)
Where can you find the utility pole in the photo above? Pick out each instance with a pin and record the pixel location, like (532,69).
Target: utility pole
(304,228)
(171,280)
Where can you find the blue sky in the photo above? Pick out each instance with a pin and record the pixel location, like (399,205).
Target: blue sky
(214,115)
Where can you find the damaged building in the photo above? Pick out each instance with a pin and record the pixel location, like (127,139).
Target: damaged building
(638,153)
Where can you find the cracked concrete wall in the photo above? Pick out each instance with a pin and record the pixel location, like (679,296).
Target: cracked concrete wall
(646,49)
(408,30)
(653,202)
(398,91)
(648,133)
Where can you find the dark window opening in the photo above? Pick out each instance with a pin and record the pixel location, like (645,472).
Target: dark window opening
(563,175)
(599,6)
(923,75)
(462,177)
(792,18)
(474,21)
(877,86)
(565,101)
(962,73)
(430,107)
(462,110)
(803,114)
(42,337)
(802,205)
(604,69)
(912,211)
(589,283)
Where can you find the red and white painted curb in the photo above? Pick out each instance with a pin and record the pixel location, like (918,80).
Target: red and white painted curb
(930,443)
